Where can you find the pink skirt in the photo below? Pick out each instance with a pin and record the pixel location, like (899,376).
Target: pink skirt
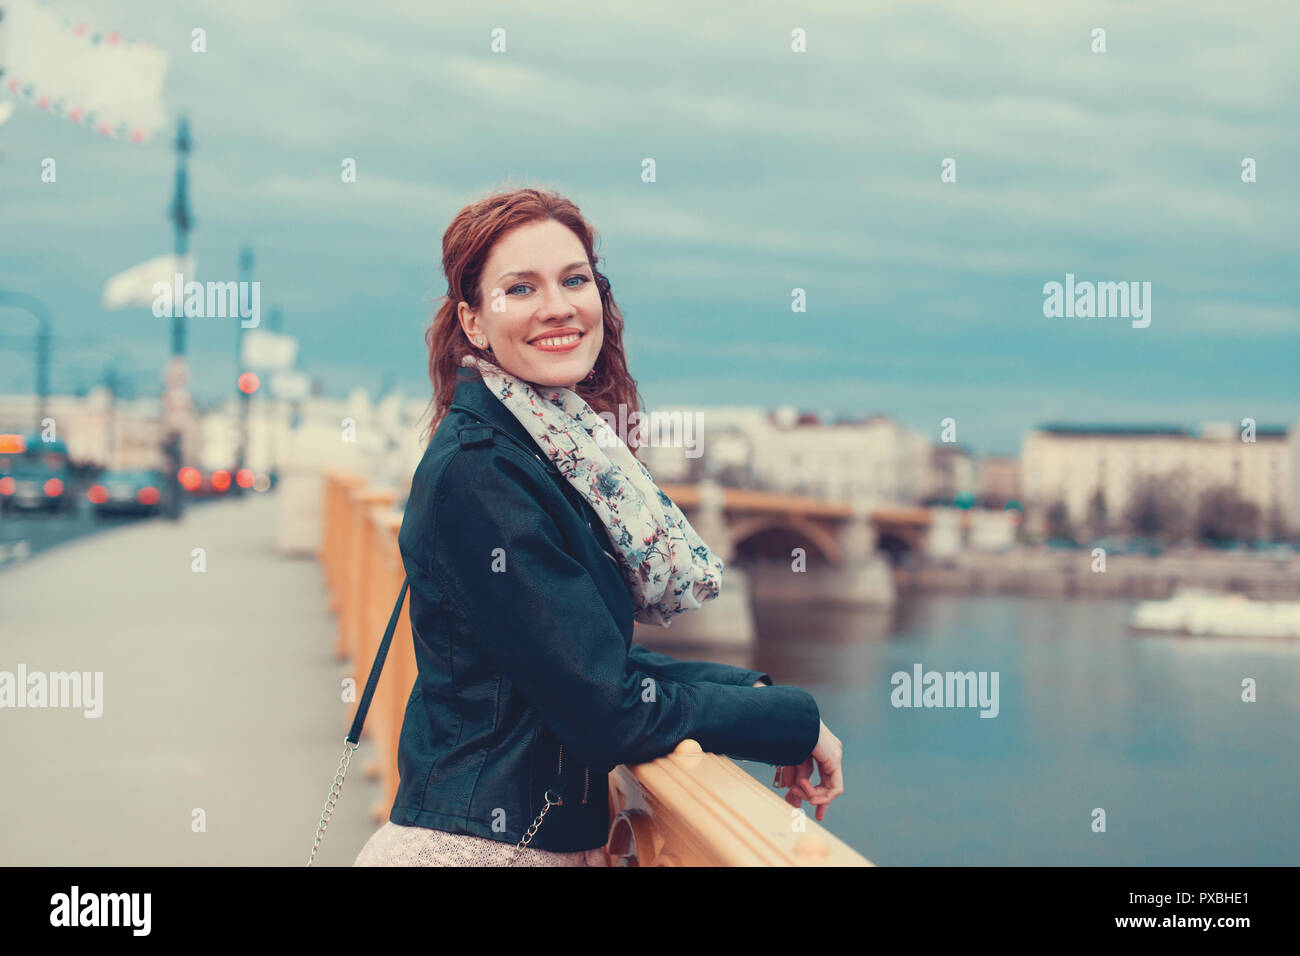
(393,845)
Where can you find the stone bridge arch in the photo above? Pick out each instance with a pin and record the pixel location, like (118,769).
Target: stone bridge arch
(816,538)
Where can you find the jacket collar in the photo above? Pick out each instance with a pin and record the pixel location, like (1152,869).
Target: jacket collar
(472,395)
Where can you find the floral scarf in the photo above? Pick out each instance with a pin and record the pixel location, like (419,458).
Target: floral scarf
(667,567)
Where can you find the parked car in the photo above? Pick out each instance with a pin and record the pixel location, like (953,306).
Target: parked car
(208,482)
(1062,544)
(1147,546)
(35,474)
(133,492)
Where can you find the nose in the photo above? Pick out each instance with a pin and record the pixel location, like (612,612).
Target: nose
(556,304)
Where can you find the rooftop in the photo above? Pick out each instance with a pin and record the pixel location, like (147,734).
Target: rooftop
(1178,431)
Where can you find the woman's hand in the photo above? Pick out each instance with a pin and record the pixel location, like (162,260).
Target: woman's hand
(827,756)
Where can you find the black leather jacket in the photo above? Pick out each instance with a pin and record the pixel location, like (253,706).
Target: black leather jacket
(527,675)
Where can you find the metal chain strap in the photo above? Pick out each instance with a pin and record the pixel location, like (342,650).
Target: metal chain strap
(532,830)
(336,788)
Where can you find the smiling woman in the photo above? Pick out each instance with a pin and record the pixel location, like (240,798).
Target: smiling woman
(533,539)
(544,324)
(521,270)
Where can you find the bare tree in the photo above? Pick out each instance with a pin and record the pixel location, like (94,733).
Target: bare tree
(1223,516)
(1098,521)
(1156,510)
(1057,518)
(1277,526)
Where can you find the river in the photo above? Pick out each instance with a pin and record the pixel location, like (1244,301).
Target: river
(1151,729)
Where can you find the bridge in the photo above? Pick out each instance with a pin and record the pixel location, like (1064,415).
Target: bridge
(745,522)
(768,539)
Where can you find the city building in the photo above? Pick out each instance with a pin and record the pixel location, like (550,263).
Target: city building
(874,459)
(997,481)
(952,475)
(1071,463)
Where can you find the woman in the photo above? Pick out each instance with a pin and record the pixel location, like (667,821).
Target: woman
(532,539)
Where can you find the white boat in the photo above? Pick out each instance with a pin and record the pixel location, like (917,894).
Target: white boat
(1202,612)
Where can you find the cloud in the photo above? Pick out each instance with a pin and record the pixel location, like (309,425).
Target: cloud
(775,170)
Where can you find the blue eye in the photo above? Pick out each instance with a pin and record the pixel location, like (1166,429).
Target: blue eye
(524,285)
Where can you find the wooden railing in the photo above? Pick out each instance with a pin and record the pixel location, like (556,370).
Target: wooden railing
(685,809)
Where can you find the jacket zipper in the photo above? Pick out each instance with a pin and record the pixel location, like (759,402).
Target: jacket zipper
(586,776)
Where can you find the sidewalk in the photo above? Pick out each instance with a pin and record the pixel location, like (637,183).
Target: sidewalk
(220,693)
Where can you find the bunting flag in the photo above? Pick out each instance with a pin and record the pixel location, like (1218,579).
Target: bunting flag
(93,78)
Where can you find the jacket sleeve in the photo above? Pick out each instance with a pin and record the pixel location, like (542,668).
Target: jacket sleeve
(501,562)
(662,665)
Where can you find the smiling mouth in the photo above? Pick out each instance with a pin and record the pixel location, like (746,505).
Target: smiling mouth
(558,343)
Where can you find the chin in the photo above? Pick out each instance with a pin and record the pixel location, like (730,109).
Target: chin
(561,376)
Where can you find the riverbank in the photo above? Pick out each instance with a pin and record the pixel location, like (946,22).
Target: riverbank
(1040,572)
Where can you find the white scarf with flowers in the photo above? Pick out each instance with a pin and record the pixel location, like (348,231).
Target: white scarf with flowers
(667,567)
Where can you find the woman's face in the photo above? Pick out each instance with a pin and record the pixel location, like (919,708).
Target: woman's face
(537,286)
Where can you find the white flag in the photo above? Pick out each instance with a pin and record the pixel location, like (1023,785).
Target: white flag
(135,285)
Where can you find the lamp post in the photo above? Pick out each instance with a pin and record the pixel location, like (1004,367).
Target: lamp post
(176,397)
(38,310)
(246,280)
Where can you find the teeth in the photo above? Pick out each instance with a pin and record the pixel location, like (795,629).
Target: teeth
(562,340)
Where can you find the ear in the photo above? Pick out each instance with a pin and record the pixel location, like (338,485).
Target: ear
(468,321)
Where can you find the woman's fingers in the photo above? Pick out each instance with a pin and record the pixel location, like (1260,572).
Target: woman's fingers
(802,782)
(827,759)
(830,782)
(798,779)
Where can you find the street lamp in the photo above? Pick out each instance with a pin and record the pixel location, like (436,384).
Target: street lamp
(39,311)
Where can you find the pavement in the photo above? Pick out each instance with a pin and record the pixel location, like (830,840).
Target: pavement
(222,721)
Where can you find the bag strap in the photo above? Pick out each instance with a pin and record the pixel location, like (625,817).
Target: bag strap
(354,735)
(363,707)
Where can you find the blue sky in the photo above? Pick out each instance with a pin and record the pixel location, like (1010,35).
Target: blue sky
(776,170)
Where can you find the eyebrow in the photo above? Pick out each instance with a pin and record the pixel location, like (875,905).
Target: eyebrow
(532,273)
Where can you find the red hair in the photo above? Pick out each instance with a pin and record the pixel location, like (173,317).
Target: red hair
(465,248)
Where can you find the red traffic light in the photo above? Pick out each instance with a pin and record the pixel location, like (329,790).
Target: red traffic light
(248,383)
